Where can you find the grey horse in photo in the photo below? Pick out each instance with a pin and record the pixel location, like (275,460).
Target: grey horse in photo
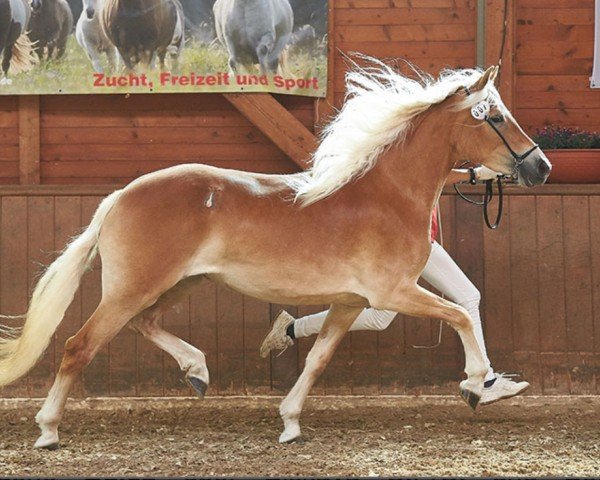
(254,31)
(92,38)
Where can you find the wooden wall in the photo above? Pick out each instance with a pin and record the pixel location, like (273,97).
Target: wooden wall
(538,273)
(554,50)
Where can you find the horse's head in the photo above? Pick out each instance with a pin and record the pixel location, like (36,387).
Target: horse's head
(90,7)
(36,5)
(487,133)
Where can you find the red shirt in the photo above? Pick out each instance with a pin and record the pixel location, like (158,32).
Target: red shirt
(434,224)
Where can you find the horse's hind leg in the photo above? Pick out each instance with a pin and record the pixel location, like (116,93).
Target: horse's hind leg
(191,360)
(337,323)
(108,319)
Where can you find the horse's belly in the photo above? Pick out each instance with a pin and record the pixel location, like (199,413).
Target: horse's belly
(283,288)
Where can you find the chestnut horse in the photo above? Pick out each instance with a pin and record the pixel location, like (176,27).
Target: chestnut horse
(352,231)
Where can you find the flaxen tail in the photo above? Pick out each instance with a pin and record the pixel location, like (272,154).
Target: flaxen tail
(52,296)
(23,57)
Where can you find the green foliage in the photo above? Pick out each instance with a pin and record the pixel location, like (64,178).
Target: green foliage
(554,137)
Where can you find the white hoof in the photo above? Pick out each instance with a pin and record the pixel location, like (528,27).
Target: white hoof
(49,441)
(291,433)
(5,81)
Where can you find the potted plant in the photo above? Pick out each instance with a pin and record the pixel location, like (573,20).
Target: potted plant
(574,154)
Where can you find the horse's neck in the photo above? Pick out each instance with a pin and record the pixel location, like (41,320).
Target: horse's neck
(418,167)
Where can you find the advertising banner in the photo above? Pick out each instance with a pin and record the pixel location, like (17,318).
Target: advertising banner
(163,46)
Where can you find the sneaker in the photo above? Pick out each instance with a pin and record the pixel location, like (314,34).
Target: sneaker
(502,388)
(277,338)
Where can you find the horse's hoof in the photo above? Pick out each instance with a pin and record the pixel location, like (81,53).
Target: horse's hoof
(297,440)
(47,445)
(199,385)
(470,398)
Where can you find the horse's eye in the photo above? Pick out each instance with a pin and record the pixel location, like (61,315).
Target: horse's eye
(497,119)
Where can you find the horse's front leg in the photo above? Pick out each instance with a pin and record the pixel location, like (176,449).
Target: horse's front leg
(415,301)
(337,323)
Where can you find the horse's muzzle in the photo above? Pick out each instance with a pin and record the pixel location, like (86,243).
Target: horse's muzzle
(535,170)
(90,13)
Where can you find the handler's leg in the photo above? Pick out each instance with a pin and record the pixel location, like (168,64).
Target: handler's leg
(442,272)
(337,323)
(286,328)
(416,301)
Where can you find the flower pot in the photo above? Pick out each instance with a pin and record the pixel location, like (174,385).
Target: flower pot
(574,166)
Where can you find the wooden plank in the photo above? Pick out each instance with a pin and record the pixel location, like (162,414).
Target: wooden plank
(360,4)
(552,99)
(29,139)
(96,377)
(203,328)
(40,245)
(553,328)
(176,321)
(525,288)
(276,122)
(563,83)
(543,4)
(391,353)
(555,50)
(568,66)
(125,171)
(13,270)
(494,33)
(404,33)
(324,108)
(365,364)
(285,366)
(555,33)
(595,270)
(552,16)
(171,118)
(67,224)
(305,344)
(109,153)
(412,50)
(230,341)
(578,292)
(257,371)
(408,16)
(497,291)
(152,135)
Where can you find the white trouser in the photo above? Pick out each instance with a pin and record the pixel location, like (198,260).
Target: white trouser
(443,274)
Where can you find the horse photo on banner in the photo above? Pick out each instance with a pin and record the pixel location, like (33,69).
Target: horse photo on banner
(163,46)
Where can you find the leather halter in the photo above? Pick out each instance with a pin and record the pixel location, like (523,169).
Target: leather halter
(489,190)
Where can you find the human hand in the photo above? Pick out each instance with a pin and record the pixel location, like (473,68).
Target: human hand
(483,173)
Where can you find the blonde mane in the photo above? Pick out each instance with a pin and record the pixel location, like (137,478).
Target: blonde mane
(378,111)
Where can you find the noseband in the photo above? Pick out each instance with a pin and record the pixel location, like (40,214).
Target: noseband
(481,112)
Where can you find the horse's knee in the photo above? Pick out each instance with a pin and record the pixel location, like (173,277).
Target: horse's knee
(145,324)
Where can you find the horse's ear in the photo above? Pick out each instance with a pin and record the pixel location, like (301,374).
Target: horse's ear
(488,76)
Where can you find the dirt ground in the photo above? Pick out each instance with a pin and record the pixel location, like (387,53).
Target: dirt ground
(402,436)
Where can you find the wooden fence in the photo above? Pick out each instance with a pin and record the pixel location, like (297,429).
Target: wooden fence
(538,275)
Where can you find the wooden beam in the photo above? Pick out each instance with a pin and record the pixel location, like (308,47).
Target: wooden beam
(494,28)
(29,139)
(277,123)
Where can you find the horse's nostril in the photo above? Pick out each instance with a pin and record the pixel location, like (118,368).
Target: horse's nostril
(90,13)
(543,167)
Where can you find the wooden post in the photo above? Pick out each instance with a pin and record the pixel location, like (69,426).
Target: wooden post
(29,139)
(494,27)
(277,123)
(324,107)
